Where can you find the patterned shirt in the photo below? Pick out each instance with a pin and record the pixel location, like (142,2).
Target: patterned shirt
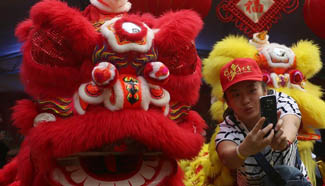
(250,173)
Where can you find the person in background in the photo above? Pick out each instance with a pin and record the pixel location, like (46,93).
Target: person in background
(241,135)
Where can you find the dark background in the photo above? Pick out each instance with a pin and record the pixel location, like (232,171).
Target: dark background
(289,29)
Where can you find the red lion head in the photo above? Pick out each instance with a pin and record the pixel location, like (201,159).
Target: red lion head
(112,98)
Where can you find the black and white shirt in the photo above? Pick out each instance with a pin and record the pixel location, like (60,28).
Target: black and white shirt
(250,173)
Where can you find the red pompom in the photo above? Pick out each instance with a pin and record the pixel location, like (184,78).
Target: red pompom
(267,78)
(296,76)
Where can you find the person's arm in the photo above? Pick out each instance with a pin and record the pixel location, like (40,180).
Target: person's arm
(288,124)
(291,125)
(228,155)
(254,142)
(286,131)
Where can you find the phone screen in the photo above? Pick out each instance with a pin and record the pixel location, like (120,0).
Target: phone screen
(269,110)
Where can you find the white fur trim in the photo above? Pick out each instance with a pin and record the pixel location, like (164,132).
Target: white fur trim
(166,111)
(145,93)
(58,175)
(153,86)
(162,101)
(110,36)
(257,42)
(155,68)
(194,129)
(274,78)
(258,46)
(103,65)
(125,8)
(76,104)
(119,97)
(89,99)
(155,30)
(43,117)
(274,51)
(213,99)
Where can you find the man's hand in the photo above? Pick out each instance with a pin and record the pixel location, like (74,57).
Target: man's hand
(256,140)
(280,141)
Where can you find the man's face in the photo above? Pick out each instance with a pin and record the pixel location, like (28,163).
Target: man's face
(243,99)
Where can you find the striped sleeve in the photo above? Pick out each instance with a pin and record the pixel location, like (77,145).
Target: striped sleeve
(287,105)
(228,133)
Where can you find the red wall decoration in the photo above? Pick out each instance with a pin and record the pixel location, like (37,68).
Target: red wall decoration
(251,16)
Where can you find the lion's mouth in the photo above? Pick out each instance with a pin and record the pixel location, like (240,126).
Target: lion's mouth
(113,168)
(276,59)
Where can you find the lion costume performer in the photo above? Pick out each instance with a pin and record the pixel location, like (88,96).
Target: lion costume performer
(112,97)
(286,70)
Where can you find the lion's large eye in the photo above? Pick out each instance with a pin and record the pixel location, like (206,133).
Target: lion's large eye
(131,27)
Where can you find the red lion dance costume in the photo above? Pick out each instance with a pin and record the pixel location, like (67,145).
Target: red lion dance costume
(111,98)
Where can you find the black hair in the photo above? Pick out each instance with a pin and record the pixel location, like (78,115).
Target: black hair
(229,112)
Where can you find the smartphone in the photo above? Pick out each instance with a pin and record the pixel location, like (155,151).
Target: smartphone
(269,110)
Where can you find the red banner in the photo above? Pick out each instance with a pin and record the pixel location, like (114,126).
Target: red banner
(253,16)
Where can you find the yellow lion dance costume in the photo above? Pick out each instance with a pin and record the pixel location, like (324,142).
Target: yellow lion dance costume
(286,70)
